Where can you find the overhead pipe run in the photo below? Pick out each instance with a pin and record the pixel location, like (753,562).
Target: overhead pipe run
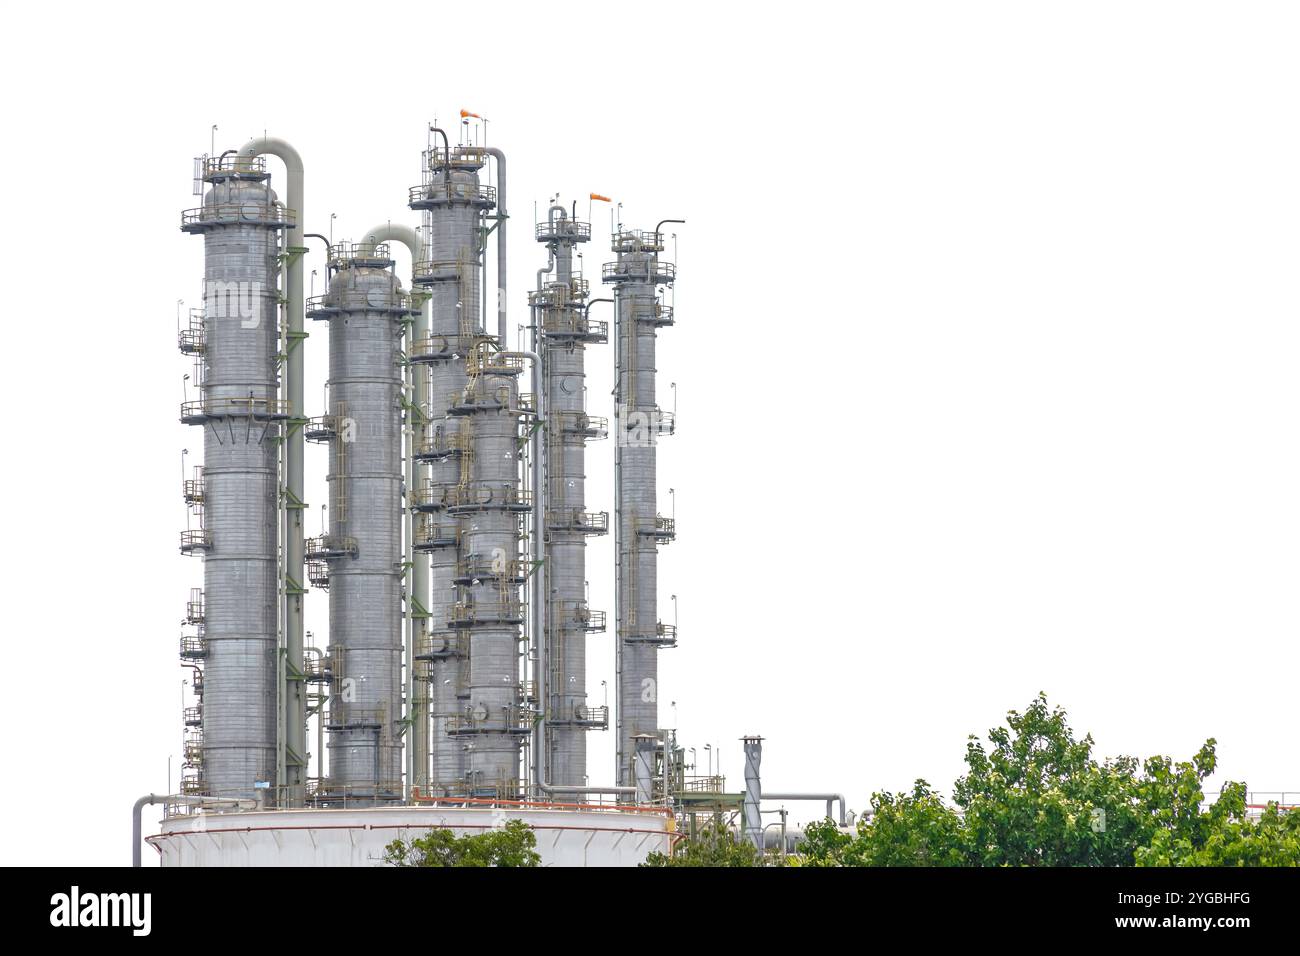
(830,799)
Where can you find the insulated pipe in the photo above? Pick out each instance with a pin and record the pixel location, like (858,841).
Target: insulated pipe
(830,798)
(137,812)
(416,741)
(503,214)
(753,790)
(294,700)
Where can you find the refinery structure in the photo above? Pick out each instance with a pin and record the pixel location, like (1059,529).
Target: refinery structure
(453,553)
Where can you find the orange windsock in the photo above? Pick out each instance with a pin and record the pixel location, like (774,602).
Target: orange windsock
(465,114)
(601,198)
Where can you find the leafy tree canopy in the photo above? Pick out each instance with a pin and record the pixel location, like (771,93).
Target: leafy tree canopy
(512,845)
(1036,796)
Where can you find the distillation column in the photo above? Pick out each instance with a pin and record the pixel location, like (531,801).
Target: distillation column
(490,503)
(639,529)
(362,553)
(564,331)
(242,421)
(454,204)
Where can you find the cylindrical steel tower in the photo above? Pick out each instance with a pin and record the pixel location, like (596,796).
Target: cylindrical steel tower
(241,417)
(491,504)
(454,203)
(636,276)
(362,553)
(563,331)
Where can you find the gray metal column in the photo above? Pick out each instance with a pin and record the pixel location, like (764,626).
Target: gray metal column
(644,747)
(636,276)
(563,331)
(242,419)
(362,553)
(753,791)
(454,204)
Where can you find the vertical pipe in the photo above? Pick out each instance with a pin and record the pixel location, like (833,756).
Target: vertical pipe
(292,690)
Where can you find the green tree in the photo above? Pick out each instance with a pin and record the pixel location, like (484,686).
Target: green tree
(713,846)
(512,845)
(1036,796)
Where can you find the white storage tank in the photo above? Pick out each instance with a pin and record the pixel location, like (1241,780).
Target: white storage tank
(578,836)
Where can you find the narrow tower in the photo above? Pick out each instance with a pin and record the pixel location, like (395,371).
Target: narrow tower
(237,499)
(637,275)
(563,331)
(454,203)
(360,559)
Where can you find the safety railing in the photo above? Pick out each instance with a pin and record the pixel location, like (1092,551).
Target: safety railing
(582,715)
(192,340)
(232,164)
(647,270)
(475,568)
(193,647)
(192,745)
(586,522)
(198,540)
(705,783)
(203,409)
(437,270)
(360,300)
(436,646)
(441,347)
(329,546)
(572,324)
(238,214)
(321,428)
(580,423)
(344,254)
(433,496)
(467,614)
(659,527)
(194,612)
(345,715)
(443,443)
(512,719)
(659,314)
(480,397)
(484,361)
(192,491)
(439,191)
(482,497)
(434,535)
(192,716)
(566,228)
(636,240)
(191,785)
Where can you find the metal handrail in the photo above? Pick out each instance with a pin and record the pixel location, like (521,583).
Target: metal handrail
(330,546)
(581,423)
(200,539)
(482,361)
(192,490)
(658,526)
(438,190)
(234,163)
(480,495)
(574,323)
(235,407)
(636,240)
(234,214)
(593,522)
(434,494)
(476,566)
(359,300)
(476,394)
(638,270)
(465,612)
(193,646)
(562,229)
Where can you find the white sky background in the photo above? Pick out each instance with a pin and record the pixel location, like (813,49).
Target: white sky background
(986,348)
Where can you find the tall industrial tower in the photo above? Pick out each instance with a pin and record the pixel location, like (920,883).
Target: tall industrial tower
(232,743)
(360,560)
(562,331)
(637,275)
